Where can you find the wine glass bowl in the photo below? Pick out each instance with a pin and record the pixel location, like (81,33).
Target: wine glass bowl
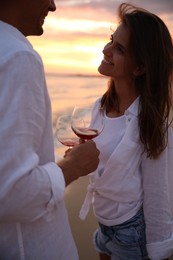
(83,124)
(64,133)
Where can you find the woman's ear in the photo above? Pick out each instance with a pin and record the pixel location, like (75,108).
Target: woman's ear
(140,70)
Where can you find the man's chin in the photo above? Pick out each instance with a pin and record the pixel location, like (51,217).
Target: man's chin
(40,31)
(36,33)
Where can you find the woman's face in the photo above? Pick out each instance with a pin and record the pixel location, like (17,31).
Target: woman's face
(118,62)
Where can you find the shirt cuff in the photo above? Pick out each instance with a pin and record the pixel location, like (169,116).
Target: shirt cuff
(160,250)
(57,181)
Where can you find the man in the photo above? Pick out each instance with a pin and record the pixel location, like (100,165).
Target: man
(33,219)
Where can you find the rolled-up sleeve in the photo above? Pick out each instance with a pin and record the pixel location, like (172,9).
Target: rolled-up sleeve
(31,183)
(158,202)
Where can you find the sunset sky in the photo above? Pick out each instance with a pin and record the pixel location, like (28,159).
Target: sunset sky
(75,34)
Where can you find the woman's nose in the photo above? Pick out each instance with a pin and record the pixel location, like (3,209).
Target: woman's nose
(107,50)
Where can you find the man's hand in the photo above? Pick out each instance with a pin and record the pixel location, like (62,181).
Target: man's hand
(80,161)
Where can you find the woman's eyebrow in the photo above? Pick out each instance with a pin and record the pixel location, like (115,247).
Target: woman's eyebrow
(119,44)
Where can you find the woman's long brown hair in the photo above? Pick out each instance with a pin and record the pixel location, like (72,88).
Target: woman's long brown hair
(152,47)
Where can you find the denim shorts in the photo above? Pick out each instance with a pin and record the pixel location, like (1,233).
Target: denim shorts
(126,241)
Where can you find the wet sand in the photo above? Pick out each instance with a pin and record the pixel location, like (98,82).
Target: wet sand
(82,230)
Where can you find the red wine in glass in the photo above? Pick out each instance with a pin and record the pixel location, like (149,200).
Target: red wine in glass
(64,132)
(86,133)
(83,124)
(68,142)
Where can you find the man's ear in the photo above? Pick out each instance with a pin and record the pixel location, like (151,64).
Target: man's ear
(140,70)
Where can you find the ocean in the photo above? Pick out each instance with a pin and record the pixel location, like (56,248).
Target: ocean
(65,92)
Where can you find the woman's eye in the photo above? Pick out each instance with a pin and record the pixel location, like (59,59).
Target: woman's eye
(119,49)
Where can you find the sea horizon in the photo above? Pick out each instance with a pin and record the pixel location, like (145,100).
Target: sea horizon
(89,75)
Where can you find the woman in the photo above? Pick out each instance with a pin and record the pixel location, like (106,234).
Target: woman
(131,189)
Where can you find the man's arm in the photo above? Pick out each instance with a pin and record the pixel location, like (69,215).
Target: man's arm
(80,161)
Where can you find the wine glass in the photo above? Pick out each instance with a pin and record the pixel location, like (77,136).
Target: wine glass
(64,132)
(83,124)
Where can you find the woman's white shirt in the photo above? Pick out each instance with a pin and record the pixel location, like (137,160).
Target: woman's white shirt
(116,187)
(126,179)
(108,211)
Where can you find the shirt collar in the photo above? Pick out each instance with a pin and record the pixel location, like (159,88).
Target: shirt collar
(16,33)
(133,108)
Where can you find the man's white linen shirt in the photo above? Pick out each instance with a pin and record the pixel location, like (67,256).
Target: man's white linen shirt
(126,179)
(33,218)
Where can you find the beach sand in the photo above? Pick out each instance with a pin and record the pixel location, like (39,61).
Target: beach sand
(82,229)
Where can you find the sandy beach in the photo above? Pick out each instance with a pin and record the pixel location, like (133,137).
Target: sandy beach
(82,230)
